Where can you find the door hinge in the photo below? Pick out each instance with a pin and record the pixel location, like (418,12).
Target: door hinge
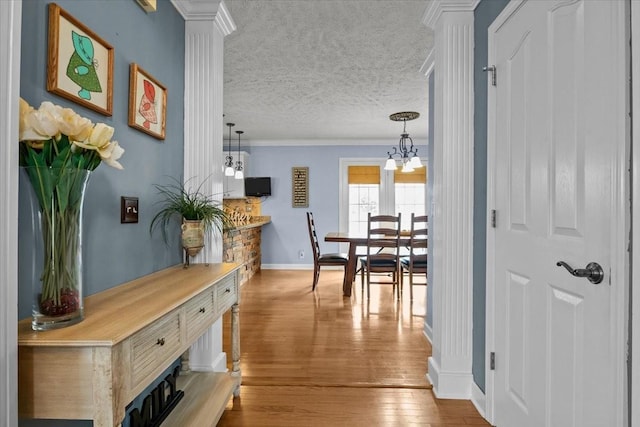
(492,361)
(493,71)
(493,218)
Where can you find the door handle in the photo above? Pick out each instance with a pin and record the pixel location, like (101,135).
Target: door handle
(592,271)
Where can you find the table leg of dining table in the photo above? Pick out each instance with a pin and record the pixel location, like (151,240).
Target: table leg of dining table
(350,274)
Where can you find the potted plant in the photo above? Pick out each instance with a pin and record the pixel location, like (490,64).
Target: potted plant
(198,212)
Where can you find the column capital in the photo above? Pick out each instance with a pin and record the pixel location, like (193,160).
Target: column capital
(206,10)
(436,8)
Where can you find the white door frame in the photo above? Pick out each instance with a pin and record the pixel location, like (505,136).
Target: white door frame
(10,36)
(620,224)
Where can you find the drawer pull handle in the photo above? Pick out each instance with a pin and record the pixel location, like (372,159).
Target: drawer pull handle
(202,310)
(160,341)
(228,290)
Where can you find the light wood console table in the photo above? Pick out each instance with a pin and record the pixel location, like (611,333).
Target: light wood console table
(132,333)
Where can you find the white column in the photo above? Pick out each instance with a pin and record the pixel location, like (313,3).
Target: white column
(206,25)
(450,363)
(10,36)
(635,219)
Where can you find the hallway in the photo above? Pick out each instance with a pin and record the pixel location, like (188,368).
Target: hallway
(316,359)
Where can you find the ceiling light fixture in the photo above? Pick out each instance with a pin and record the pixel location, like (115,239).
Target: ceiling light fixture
(239,173)
(405,150)
(228,164)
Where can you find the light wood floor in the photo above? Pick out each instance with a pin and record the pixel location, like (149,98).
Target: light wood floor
(318,359)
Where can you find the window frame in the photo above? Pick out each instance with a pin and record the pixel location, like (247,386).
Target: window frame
(387,189)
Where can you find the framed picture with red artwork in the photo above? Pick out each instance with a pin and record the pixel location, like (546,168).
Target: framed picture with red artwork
(147,103)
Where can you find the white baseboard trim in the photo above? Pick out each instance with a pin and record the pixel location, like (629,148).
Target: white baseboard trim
(286,266)
(449,385)
(428,332)
(219,364)
(479,399)
(296,267)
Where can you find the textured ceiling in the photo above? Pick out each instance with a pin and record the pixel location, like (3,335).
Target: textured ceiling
(325,69)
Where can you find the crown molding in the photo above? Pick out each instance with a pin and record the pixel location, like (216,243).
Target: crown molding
(417,141)
(437,7)
(429,63)
(206,10)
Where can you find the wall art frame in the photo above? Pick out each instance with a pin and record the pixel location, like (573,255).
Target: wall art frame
(147,102)
(79,63)
(300,186)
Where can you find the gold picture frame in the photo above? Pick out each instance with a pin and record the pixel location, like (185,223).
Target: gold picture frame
(147,103)
(300,186)
(79,63)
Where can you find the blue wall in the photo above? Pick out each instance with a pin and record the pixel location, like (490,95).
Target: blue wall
(113,253)
(484,15)
(288,232)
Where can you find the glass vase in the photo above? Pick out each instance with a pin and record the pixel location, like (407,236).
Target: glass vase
(56,198)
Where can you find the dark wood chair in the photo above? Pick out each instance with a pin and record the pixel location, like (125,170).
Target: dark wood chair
(415,264)
(382,261)
(319,259)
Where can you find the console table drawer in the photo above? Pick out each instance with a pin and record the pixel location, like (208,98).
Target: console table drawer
(152,347)
(199,312)
(226,293)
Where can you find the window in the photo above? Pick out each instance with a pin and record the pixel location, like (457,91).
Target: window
(410,194)
(367,187)
(364,195)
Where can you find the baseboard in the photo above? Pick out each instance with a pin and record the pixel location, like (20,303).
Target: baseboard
(219,364)
(297,267)
(428,332)
(479,399)
(449,385)
(286,266)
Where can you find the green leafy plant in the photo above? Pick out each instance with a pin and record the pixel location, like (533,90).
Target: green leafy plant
(179,201)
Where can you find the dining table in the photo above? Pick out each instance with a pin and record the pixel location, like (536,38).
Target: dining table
(354,240)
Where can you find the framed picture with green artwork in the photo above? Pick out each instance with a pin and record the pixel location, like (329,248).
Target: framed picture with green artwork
(80,64)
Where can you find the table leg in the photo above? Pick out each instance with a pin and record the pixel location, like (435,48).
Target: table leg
(350,274)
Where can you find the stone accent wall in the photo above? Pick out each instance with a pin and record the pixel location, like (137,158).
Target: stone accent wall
(242,246)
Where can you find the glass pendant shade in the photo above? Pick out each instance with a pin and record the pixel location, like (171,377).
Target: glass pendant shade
(407,167)
(239,174)
(228,171)
(390,165)
(415,162)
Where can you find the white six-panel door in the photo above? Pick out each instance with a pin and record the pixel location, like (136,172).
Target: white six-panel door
(556,128)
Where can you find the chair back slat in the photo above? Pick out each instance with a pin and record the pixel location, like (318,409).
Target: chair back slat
(315,246)
(383,252)
(416,265)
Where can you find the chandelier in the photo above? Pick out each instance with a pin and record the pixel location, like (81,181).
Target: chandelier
(228,164)
(405,150)
(239,173)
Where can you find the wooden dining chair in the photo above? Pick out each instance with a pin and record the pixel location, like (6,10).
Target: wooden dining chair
(382,261)
(415,264)
(319,259)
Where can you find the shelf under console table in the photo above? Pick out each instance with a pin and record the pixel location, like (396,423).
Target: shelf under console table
(130,335)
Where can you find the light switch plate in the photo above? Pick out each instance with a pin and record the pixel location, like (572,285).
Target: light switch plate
(128,209)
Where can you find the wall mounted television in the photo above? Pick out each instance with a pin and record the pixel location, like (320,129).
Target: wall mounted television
(257,186)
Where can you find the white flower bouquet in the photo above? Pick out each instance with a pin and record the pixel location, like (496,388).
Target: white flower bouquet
(58,149)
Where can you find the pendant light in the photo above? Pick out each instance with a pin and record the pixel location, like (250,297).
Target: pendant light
(228,164)
(239,173)
(405,149)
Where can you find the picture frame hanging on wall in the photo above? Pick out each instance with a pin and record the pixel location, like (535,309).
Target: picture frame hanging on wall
(147,102)
(79,63)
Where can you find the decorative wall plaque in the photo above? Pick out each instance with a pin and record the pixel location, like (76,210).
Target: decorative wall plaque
(300,186)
